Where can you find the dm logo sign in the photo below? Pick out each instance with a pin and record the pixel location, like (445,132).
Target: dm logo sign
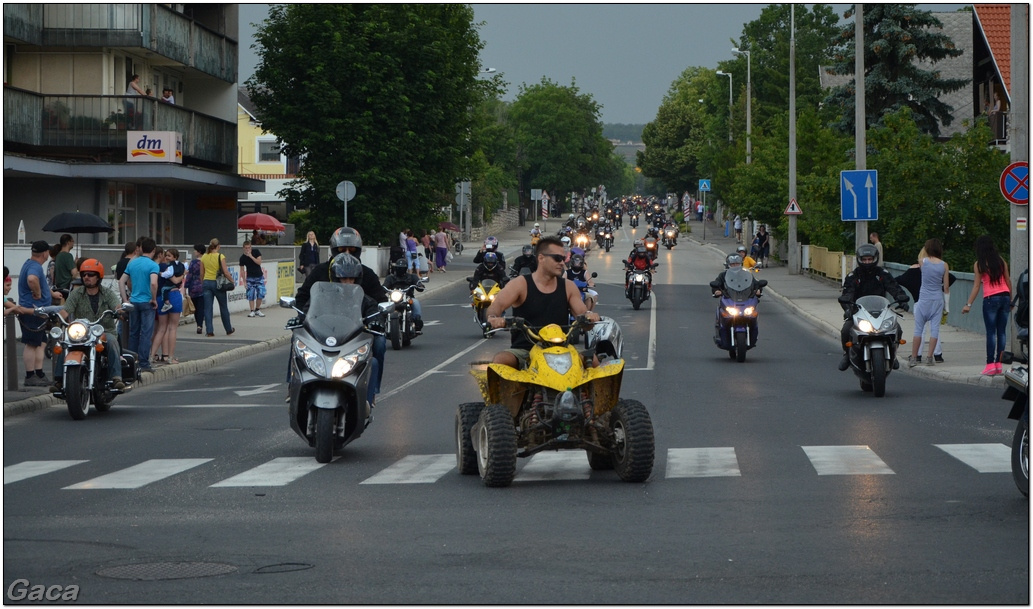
(154,147)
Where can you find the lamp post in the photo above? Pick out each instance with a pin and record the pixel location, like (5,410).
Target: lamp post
(749,95)
(720,73)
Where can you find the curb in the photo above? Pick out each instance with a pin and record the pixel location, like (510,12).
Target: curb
(159,375)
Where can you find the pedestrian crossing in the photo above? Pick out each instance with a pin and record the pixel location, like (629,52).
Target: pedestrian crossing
(680,463)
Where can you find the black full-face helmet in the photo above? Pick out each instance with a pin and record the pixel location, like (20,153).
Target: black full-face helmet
(400,268)
(577,262)
(345,265)
(527,250)
(867,256)
(346,236)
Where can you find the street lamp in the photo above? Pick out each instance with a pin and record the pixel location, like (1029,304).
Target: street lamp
(720,73)
(749,94)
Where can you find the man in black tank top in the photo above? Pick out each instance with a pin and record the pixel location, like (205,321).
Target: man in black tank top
(544,297)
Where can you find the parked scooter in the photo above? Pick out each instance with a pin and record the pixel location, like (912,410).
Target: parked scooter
(1017,392)
(735,329)
(401,329)
(874,336)
(83,343)
(331,366)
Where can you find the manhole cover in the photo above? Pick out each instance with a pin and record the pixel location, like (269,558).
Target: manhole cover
(167,570)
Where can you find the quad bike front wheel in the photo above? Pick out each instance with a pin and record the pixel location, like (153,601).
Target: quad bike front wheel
(466,417)
(496,446)
(633,440)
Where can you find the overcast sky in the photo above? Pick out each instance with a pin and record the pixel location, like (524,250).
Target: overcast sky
(624,55)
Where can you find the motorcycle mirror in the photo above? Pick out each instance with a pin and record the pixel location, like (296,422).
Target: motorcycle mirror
(594,274)
(287,302)
(763,283)
(386,307)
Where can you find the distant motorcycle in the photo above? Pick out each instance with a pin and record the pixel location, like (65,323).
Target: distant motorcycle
(86,379)
(401,329)
(874,336)
(650,243)
(1017,392)
(607,239)
(735,329)
(669,238)
(480,299)
(639,285)
(634,219)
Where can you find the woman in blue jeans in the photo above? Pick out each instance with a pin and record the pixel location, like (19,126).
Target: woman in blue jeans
(991,273)
(211,262)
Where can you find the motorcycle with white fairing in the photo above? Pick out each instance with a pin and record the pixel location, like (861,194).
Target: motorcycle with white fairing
(874,336)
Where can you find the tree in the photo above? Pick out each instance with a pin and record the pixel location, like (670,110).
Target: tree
(559,138)
(896,36)
(676,137)
(378,94)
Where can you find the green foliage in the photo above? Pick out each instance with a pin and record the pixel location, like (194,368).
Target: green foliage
(674,139)
(896,36)
(303,223)
(559,139)
(378,94)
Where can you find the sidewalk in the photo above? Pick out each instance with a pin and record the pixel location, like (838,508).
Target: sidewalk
(812,297)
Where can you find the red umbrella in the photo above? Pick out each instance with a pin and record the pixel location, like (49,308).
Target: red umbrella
(448,226)
(257,221)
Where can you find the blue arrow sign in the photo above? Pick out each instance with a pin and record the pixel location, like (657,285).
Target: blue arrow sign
(704,185)
(859,195)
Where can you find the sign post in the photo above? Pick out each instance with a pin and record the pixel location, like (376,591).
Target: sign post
(345,192)
(704,188)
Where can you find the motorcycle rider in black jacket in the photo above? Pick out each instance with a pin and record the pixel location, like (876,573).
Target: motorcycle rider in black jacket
(400,278)
(868,279)
(526,259)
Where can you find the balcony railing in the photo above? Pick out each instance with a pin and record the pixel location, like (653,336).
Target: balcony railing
(23,22)
(101,122)
(154,27)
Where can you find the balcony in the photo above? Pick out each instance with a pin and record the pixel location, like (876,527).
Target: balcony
(23,22)
(154,27)
(96,125)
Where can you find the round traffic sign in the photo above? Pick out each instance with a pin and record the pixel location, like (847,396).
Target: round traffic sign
(1015,183)
(345,191)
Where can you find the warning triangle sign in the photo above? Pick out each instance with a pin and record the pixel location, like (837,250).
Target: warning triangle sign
(793,209)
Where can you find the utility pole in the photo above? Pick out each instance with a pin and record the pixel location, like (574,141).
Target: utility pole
(860,146)
(1018,137)
(794,246)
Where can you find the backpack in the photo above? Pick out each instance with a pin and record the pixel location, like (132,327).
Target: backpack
(1021,300)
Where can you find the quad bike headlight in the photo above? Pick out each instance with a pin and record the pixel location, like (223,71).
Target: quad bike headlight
(77,332)
(560,362)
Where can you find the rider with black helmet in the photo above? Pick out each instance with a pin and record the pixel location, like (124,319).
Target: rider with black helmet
(400,278)
(868,279)
(526,260)
(489,268)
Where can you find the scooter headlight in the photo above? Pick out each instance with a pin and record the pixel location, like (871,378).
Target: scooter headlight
(313,360)
(344,365)
(560,362)
(749,312)
(77,332)
(734,312)
(865,326)
(396,296)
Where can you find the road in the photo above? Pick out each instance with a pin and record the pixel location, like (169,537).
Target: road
(776,481)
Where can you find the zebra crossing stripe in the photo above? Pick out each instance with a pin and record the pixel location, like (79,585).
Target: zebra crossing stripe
(140,475)
(415,469)
(845,460)
(701,462)
(562,465)
(31,469)
(984,458)
(278,472)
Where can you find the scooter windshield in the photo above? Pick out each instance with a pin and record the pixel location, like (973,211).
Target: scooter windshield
(738,284)
(335,310)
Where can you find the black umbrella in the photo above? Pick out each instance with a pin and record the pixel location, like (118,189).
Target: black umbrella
(77,222)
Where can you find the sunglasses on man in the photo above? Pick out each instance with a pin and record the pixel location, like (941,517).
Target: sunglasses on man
(556,257)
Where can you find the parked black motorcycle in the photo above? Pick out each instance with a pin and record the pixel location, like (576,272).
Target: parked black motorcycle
(84,344)
(1017,392)
(331,366)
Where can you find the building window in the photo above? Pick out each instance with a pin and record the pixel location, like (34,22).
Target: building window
(121,213)
(159,215)
(268,151)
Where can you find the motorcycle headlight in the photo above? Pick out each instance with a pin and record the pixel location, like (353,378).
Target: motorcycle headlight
(670,233)
(887,324)
(396,296)
(560,362)
(750,311)
(56,332)
(77,332)
(313,360)
(478,292)
(865,326)
(344,365)
(491,297)
(639,278)
(732,311)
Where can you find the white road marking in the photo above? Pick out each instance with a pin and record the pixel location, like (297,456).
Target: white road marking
(701,462)
(415,469)
(410,383)
(31,469)
(845,460)
(558,465)
(278,472)
(984,458)
(141,474)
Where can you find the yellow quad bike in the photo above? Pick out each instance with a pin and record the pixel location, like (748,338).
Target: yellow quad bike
(556,403)
(480,299)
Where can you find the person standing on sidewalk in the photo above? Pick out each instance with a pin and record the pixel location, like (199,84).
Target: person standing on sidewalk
(308,257)
(34,291)
(991,273)
(213,261)
(195,287)
(139,286)
(441,249)
(932,299)
(251,267)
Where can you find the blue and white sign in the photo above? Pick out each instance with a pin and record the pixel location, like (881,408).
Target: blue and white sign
(859,195)
(704,185)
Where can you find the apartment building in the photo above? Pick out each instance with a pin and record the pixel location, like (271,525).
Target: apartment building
(74,140)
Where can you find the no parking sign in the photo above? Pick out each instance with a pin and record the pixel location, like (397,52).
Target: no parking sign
(1015,183)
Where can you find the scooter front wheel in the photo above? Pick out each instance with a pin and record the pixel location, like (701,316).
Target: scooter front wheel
(324,435)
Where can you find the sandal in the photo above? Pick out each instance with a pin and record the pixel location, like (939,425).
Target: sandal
(172,360)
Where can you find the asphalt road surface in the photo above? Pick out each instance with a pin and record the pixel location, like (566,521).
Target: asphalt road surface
(776,480)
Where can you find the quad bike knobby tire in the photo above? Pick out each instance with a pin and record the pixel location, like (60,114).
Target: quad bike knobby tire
(633,441)
(496,447)
(466,417)
(600,461)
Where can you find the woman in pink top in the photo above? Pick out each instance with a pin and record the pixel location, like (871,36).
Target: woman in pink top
(991,273)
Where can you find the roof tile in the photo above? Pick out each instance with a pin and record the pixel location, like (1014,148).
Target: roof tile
(995,21)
